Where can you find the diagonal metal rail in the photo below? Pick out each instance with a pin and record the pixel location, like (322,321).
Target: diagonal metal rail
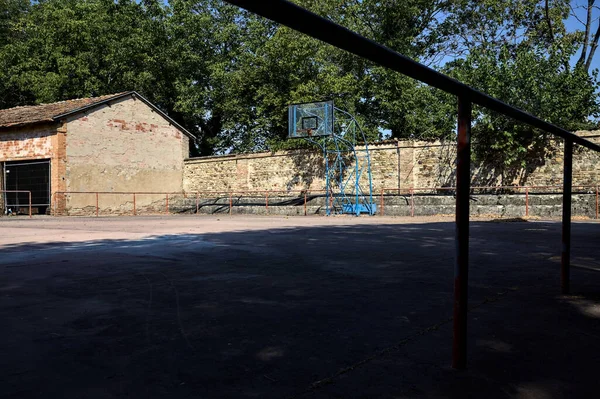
(304,21)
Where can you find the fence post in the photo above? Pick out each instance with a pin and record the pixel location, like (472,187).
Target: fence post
(526,201)
(134,206)
(196,202)
(331,199)
(461,267)
(267,201)
(230,202)
(30,205)
(305,203)
(565,258)
(167,204)
(412,202)
(381,202)
(96,204)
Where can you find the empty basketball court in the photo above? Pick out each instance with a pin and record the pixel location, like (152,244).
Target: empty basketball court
(275,307)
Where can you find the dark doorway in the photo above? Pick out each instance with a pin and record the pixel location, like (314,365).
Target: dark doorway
(31,176)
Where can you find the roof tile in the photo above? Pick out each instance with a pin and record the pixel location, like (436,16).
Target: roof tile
(31,114)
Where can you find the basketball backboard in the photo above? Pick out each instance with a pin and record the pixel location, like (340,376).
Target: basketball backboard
(310,119)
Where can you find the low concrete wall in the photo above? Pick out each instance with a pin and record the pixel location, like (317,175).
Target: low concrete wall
(542,205)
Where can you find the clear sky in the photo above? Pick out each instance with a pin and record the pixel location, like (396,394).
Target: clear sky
(575,23)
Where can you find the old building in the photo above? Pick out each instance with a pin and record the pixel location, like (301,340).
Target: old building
(113,143)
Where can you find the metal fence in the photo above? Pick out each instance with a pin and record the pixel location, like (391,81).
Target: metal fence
(147,203)
(29,205)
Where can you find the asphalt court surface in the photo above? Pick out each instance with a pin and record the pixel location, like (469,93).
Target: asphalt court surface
(277,307)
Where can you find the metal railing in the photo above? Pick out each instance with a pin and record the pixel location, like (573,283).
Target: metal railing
(508,190)
(197,195)
(273,197)
(16,192)
(302,20)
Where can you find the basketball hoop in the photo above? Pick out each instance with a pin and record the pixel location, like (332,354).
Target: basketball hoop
(304,132)
(315,119)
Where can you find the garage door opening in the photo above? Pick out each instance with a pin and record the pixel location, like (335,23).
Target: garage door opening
(31,176)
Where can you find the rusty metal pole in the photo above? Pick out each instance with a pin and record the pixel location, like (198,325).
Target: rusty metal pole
(381,201)
(134,206)
(331,199)
(196,202)
(461,267)
(526,201)
(30,205)
(412,202)
(230,202)
(267,201)
(565,259)
(96,204)
(305,203)
(167,203)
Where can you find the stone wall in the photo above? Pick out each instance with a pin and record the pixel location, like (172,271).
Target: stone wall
(395,165)
(122,147)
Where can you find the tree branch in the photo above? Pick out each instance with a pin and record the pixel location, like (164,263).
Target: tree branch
(593,47)
(588,24)
(550,32)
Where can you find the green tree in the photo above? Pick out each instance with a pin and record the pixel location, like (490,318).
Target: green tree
(228,75)
(520,52)
(11,12)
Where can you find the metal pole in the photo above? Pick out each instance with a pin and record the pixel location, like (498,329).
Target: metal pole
(196,202)
(30,205)
(331,200)
(305,203)
(526,201)
(596,202)
(267,202)
(461,267)
(565,259)
(96,204)
(381,202)
(167,203)
(412,202)
(134,207)
(230,203)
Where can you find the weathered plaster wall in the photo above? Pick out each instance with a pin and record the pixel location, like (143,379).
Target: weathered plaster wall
(122,147)
(403,165)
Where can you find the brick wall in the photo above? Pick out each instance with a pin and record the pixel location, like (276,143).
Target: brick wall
(27,143)
(58,168)
(33,142)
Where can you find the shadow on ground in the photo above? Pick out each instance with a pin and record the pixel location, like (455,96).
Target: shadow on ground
(348,311)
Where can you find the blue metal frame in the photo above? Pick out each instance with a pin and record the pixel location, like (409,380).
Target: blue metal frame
(344,193)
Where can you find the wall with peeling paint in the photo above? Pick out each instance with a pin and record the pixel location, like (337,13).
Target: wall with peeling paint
(122,147)
(28,143)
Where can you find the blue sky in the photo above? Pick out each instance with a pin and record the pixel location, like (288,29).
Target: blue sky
(573,24)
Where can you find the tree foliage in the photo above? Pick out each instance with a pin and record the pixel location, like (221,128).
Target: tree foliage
(228,75)
(520,52)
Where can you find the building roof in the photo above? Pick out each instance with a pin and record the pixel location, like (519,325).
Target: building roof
(54,112)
